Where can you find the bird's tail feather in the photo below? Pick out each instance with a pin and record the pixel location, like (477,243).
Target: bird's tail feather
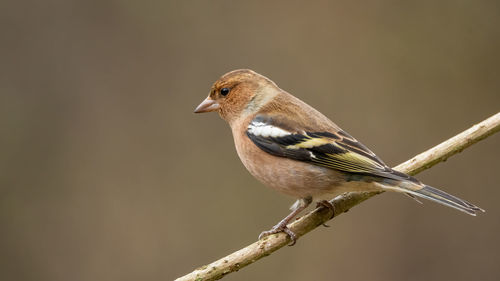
(434,194)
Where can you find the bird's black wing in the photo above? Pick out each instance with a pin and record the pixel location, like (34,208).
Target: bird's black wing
(331,149)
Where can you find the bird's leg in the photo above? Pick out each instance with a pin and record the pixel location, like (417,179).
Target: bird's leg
(281,226)
(328,205)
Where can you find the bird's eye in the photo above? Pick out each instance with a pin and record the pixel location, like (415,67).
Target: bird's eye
(224,91)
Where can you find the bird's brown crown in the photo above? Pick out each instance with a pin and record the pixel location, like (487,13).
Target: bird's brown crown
(240,92)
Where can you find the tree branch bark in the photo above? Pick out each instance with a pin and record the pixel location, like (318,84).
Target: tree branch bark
(343,203)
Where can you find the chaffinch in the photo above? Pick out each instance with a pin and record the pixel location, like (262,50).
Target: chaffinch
(293,148)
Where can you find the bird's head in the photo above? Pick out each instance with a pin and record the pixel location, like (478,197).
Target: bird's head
(238,94)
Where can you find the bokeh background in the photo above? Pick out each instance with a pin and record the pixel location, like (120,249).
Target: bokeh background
(106,174)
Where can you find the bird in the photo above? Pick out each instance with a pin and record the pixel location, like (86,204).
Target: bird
(289,146)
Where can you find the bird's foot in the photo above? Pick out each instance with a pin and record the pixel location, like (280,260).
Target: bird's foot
(280,228)
(328,205)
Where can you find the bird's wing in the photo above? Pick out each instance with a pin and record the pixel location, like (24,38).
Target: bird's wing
(331,149)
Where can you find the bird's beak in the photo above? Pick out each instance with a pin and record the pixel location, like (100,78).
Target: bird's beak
(207,105)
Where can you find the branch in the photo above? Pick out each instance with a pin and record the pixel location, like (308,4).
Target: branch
(343,203)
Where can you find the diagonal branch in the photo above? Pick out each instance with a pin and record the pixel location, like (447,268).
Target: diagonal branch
(343,203)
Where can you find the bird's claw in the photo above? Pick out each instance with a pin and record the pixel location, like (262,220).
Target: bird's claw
(280,228)
(328,205)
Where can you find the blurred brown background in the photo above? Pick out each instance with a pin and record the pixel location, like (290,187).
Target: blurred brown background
(106,174)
